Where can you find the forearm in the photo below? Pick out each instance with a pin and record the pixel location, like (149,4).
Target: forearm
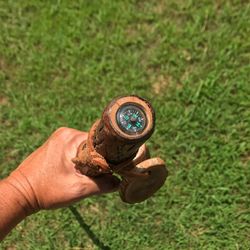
(48,179)
(13,207)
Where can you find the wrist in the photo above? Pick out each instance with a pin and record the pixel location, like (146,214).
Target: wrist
(20,192)
(13,207)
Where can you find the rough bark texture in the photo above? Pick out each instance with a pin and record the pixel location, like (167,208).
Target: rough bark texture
(114,149)
(108,150)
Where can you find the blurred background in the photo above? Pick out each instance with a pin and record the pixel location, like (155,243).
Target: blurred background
(61,62)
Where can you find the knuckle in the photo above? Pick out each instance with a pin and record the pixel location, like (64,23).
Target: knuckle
(60,131)
(67,133)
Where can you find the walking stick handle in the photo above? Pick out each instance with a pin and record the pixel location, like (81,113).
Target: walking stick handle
(115,144)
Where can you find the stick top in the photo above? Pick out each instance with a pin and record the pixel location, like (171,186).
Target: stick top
(130,118)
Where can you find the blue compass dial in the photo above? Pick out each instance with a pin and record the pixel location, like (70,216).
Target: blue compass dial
(131,119)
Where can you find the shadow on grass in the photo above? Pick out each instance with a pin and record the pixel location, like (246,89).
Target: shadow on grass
(87,229)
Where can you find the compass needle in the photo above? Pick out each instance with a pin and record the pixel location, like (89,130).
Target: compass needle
(131,119)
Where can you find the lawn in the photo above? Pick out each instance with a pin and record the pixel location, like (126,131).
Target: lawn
(61,62)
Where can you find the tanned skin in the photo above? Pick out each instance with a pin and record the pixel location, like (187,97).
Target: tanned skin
(47,179)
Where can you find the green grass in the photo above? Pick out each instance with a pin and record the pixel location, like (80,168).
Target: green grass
(61,62)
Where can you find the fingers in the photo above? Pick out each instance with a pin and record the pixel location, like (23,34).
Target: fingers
(67,133)
(103,184)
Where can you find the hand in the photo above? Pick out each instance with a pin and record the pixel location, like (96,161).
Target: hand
(47,178)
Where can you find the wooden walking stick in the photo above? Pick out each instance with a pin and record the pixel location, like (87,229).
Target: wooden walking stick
(115,144)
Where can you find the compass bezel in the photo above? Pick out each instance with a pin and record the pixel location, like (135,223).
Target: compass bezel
(122,109)
(110,121)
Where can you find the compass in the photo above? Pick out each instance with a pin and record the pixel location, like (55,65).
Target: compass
(131,119)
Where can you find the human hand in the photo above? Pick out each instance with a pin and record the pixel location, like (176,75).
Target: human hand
(47,178)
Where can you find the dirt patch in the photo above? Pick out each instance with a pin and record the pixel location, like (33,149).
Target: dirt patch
(95,208)
(155,6)
(139,29)
(8,69)
(161,83)
(10,248)
(199,231)
(159,7)
(186,74)
(4,101)
(164,82)
(2,64)
(245,159)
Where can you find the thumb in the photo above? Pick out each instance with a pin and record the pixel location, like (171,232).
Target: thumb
(106,183)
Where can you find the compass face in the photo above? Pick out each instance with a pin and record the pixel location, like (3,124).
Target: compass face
(131,119)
